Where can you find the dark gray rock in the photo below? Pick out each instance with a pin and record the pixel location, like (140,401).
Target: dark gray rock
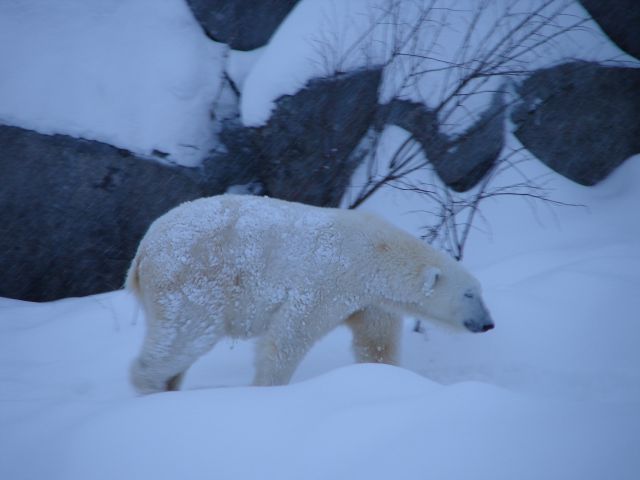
(460,162)
(468,157)
(620,20)
(242,24)
(581,119)
(304,153)
(239,162)
(415,118)
(73,211)
(310,137)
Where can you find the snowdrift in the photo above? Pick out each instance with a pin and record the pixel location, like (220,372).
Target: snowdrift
(553,392)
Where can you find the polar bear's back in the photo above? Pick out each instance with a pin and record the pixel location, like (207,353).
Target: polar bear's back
(271,235)
(232,237)
(244,258)
(238,222)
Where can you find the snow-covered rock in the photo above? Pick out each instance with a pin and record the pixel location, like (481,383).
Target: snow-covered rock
(139,75)
(309,140)
(441,42)
(305,152)
(460,162)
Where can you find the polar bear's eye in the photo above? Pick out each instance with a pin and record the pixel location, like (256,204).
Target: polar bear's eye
(468,294)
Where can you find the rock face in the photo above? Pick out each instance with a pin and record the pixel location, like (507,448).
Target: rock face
(471,155)
(242,24)
(304,152)
(581,119)
(73,212)
(310,137)
(460,162)
(620,20)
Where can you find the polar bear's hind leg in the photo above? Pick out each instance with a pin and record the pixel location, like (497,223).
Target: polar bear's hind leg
(169,349)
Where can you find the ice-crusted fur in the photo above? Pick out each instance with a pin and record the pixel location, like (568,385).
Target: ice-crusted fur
(288,273)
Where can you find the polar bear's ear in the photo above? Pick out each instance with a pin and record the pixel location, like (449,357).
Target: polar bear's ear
(431,276)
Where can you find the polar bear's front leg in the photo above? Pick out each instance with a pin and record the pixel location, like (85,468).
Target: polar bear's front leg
(278,355)
(281,349)
(376,336)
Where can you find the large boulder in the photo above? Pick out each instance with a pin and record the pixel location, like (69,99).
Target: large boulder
(620,20)
(241,24)
(310,137)
(468,157)
(304,152)
(581,119)
(73,211)
(460,161)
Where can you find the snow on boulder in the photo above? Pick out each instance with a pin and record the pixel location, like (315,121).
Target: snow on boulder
(139,75)
(294,56)
(441,41)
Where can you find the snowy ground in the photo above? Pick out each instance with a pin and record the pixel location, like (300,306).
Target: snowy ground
(553,392)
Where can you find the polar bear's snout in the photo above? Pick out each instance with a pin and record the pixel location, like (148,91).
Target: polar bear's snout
(478,327)
(475,315)
(480,323)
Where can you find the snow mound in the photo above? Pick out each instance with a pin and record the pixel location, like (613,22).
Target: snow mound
(452,38)
(552,392)
(139,74)
(371,421)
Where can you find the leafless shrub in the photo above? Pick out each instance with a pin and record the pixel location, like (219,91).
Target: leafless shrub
(497,41)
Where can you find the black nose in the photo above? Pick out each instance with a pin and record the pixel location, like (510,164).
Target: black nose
(477,327)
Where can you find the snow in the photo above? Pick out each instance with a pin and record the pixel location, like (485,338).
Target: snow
(137,74)
(552,392)
(322,37)
(241,63)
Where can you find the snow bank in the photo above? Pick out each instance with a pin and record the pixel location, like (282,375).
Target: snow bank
(322,37)
(138,74)
(552,392)
(361,421)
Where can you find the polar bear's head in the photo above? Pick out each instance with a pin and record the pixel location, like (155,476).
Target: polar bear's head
(452,295)
(414,278)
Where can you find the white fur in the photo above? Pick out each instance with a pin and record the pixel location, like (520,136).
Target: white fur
(287,273)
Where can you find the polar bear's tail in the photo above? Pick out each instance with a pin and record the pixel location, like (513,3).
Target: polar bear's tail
(132,283)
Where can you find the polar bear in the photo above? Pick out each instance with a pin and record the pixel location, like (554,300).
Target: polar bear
(287,273)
